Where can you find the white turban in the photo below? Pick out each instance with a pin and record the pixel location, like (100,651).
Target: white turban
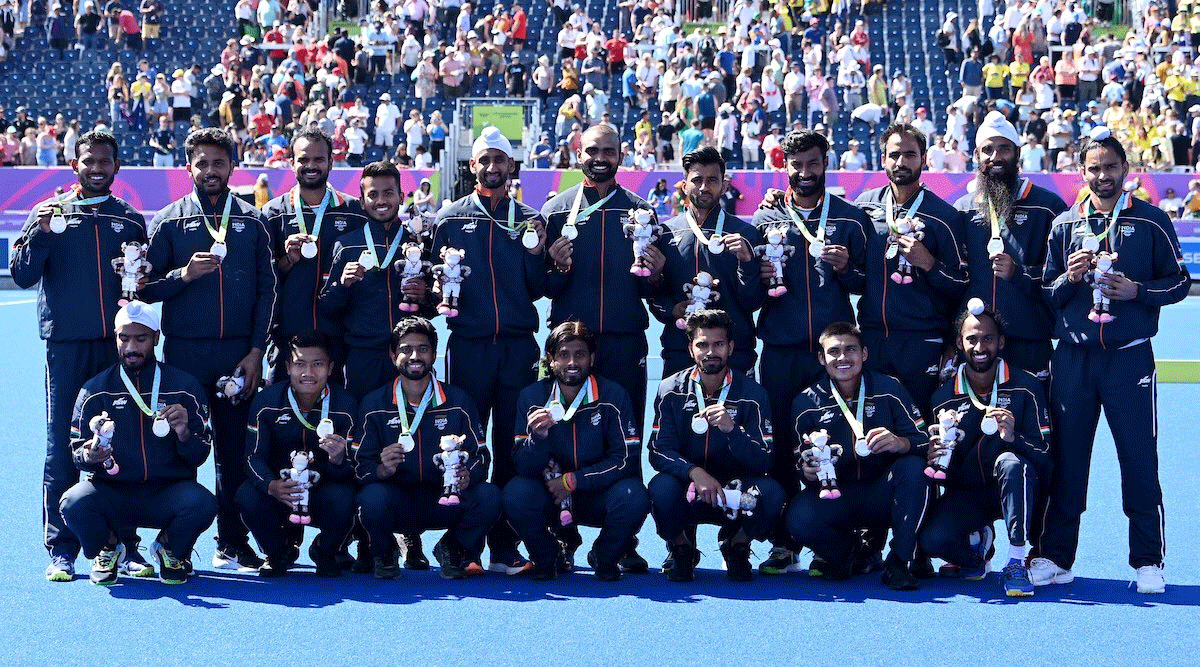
(491,137)
(137,312)
(996,125)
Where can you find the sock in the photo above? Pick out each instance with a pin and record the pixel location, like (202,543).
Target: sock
(1018,553)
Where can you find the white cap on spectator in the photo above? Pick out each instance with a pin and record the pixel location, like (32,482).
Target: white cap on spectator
(138,312)
(218,69)
(950,16)
(386,96)
(996,125)
(491,137)
(247,39)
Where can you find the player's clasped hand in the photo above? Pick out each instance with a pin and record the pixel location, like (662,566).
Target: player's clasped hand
(352,273)
(560,253)
(539,422)
(390,459)
(335,446)
(286,491)
(201,264)
(708,489)
(1006,421)
(177,418)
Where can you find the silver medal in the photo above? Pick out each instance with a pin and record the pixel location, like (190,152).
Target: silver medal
(699,425)
(570,231)
(995,247)
(58,223)
(325,428)
(989,426)
(1091,243)
(367,259)
(530,238)
(816,248)
(309,249)
(557,412)
(715,246)
(893,249)
(861,448)
(406,442)
(160,427)
(219,250)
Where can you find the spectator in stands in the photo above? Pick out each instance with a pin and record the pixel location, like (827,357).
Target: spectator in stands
(243,12)
(181,98)
(402,159)
(970,74)
(437,132)
(414,131)
(877,89)
(542,152)
(88,27)
(949,39)
(995,78)
(453,73)
(543,80)
(568,112)
(594,69)
(29,147)
(62,31)
(1171,204)
(131,30)
(852,82)
(68,141)
(726,132)
(1033,155)
(1067,161)
(152,12)
(516,76)
(356,140)
(852,159)
(10,148)
(387,117)
(425,78)
(162,140)
(956,159)
(47,147)
(1066,76)
(118,99)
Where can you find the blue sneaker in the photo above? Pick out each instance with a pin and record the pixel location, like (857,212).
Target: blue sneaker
(1016,580)
(984,552)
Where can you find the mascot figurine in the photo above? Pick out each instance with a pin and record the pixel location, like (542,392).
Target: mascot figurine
(1101,305)
(736,501)
(702,292)
(305,478)
(948,432)
(132,267)
(644,231)
(450,274)
(103,426)
(825,456)
(412,266)
(908,227)
(777,252)
(229,386)
(450,460)
(553,471)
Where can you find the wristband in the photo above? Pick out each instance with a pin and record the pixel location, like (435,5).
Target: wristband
(567,481)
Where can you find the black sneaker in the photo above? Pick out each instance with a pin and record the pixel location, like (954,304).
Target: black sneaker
(413,552)
(450,557)
(328,567)
(364,563)
(867,562)
(274,567)
(107,564)
(830,571)
(737,560)
(632,562)
(897,576)
(922,567)
(546,571)
(603,571)
(387,567)
(681,564)
(171,570)
(569,541)
(241,558)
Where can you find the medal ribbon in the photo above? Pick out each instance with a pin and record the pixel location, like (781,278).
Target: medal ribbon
(820,235)
(576,214)
(512,212)
(391,249)
(965,387)
(855,420)
(696,229)
(419,412)
(79,202)
(1122,202)
(319,210)
(699,389)
(890,199)
(219,233)
(586,395)
(137,396)
(299,415)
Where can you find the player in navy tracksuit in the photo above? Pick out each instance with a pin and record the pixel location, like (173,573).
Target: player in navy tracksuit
(905,324)
(583,426)
(77,299)
(1109,363)
(818,294)
(491,353)
(711,426)
(594,285)
(146,475)
(217,311)
(364,293)
(998,468)
(285,418)
(401,489)
(1009,282)
(734,265)
(879,471)
(327,214)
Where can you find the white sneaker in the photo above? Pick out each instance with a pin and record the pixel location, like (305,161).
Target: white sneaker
(1043,571)
(1150,580)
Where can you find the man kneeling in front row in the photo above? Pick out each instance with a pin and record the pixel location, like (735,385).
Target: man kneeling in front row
(575,453)
(139,431)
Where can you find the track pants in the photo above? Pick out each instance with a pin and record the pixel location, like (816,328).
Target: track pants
(673,513)
(913,359)
(385,508)
(618,511)
(97,510)
(367,369)
(330,503)
(1124,383)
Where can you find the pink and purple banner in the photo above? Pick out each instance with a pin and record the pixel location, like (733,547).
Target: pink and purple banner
(150,189)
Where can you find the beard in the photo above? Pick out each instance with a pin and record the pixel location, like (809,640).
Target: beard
(712,366)
(593,176)
(903,177)
(998,192)
(806,191)
(134,363)
(417,375)
(569,381)
(984,367)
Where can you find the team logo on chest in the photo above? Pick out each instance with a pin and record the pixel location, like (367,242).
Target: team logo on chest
(595,419)
(440,423)
(191,225)
(1003,401)
(870,409)
(826,417)
(470,227)
(120,403)
(1020,217)
(118,227)
(339,224)
(732,410)
(1126,230)
(394,422)
(283,418)
(689,404)
(238,226)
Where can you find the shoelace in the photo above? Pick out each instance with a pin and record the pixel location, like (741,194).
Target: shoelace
(1016,570)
